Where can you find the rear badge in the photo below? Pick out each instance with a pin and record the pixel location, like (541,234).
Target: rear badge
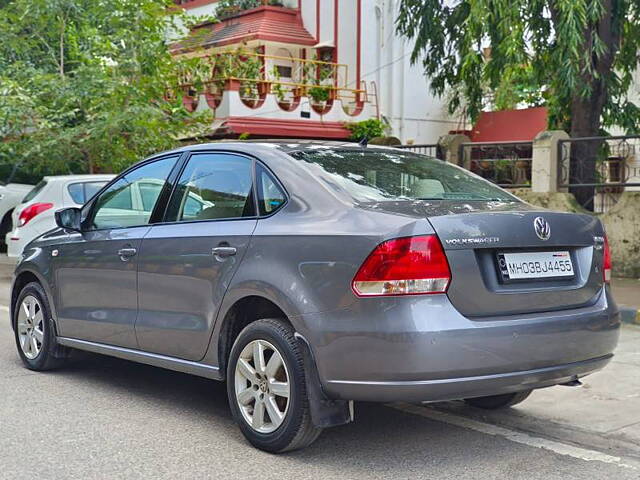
(54,253)
(472,241)
(598,242)
(542,228)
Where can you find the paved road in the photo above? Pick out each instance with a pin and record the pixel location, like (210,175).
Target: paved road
(107,418)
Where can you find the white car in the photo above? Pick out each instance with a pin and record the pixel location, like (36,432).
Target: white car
(11,195)
(35,215)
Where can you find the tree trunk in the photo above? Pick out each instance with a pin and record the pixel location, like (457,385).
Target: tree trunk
(586,110)
(585,122)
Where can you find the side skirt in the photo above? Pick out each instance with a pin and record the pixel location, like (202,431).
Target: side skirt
(154,359)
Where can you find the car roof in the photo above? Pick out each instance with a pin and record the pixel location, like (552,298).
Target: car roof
(286,145)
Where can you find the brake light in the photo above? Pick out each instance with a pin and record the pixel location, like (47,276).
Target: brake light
(606,263)
(31,211)
(404,266)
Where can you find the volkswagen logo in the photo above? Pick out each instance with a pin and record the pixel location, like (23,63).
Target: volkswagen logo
(542,228)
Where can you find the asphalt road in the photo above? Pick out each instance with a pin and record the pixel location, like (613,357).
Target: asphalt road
(108,418)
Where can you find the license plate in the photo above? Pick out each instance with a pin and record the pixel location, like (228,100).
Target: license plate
(526,265)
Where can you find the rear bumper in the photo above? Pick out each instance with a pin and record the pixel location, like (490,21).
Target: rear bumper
(15,244)
(467,387)
(421,348)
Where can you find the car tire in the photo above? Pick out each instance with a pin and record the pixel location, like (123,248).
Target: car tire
(495,402)
(33,330)
(255,393)
(5,227)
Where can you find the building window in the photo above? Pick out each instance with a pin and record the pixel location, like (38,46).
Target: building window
(284,71)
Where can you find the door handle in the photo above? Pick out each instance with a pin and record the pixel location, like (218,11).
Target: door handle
(126,253)
(224,252)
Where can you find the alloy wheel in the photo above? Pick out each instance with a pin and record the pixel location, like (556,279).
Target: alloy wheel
(30,327)
(262,386)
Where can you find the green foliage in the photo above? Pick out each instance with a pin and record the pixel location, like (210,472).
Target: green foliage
(319,75)
(577,57)
(319,94)
(368,129)
(84,84)
(228,8)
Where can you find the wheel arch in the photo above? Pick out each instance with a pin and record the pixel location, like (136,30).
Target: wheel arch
(240,313)
(7,215)
(24,276)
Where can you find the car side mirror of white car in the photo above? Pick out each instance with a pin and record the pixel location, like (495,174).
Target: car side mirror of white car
(69,218)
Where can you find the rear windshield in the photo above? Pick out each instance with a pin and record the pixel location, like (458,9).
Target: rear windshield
(34,191)
(370,175)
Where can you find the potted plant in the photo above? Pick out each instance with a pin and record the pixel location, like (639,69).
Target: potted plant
(319,95)
(249,93)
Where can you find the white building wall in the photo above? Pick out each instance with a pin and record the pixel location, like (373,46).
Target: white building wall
(309,19)
(326,19)
(414,113)
(348,39)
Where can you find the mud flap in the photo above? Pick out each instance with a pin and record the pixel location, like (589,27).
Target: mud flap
(325,412)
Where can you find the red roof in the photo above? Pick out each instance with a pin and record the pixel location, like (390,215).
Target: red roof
(278,128)
(509,125)
(263,23)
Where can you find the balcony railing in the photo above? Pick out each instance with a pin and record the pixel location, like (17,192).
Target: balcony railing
(256,75)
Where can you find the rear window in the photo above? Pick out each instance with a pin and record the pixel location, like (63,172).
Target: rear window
(34,191)
(83,191)
(370,175)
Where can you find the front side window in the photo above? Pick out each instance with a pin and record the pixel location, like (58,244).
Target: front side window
(130,200)
(213,186)
(372,175)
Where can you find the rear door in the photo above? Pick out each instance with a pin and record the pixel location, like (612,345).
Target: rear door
(95,269)
(500,262)
(187,262)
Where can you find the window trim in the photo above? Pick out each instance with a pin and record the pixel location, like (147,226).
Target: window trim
(192,153)
(179,156)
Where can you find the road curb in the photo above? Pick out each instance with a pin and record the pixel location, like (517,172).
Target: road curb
(630,315)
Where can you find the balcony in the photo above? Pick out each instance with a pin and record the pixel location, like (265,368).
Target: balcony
(245,89)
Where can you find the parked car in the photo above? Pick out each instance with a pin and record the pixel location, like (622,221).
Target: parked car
(35,213)
(11,195)
(312,275)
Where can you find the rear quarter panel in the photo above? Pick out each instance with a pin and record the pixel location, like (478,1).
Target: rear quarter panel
(303,259)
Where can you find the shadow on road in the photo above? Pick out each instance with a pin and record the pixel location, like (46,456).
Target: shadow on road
(381,438)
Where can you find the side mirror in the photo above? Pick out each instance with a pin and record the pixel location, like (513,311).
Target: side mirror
(69,218)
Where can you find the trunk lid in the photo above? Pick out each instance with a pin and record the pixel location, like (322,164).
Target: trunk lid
(474,241)
(474,234)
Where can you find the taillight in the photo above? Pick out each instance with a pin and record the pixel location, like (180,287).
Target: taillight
(606,264)
(404,266)
(31,211)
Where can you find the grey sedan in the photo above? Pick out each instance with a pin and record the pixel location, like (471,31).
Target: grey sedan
(312,275)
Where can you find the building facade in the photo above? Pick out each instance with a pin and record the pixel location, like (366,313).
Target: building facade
(304,68)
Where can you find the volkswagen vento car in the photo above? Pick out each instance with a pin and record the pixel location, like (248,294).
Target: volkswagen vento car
(311,275)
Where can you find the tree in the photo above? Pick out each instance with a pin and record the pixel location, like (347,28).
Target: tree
(84,84)
(579,55)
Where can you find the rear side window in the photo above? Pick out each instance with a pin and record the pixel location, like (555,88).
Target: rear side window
(34,191)
(213,186)
(270,195)
(83,191)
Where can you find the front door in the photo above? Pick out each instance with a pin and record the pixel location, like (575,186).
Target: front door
(187,262)
(96,269)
